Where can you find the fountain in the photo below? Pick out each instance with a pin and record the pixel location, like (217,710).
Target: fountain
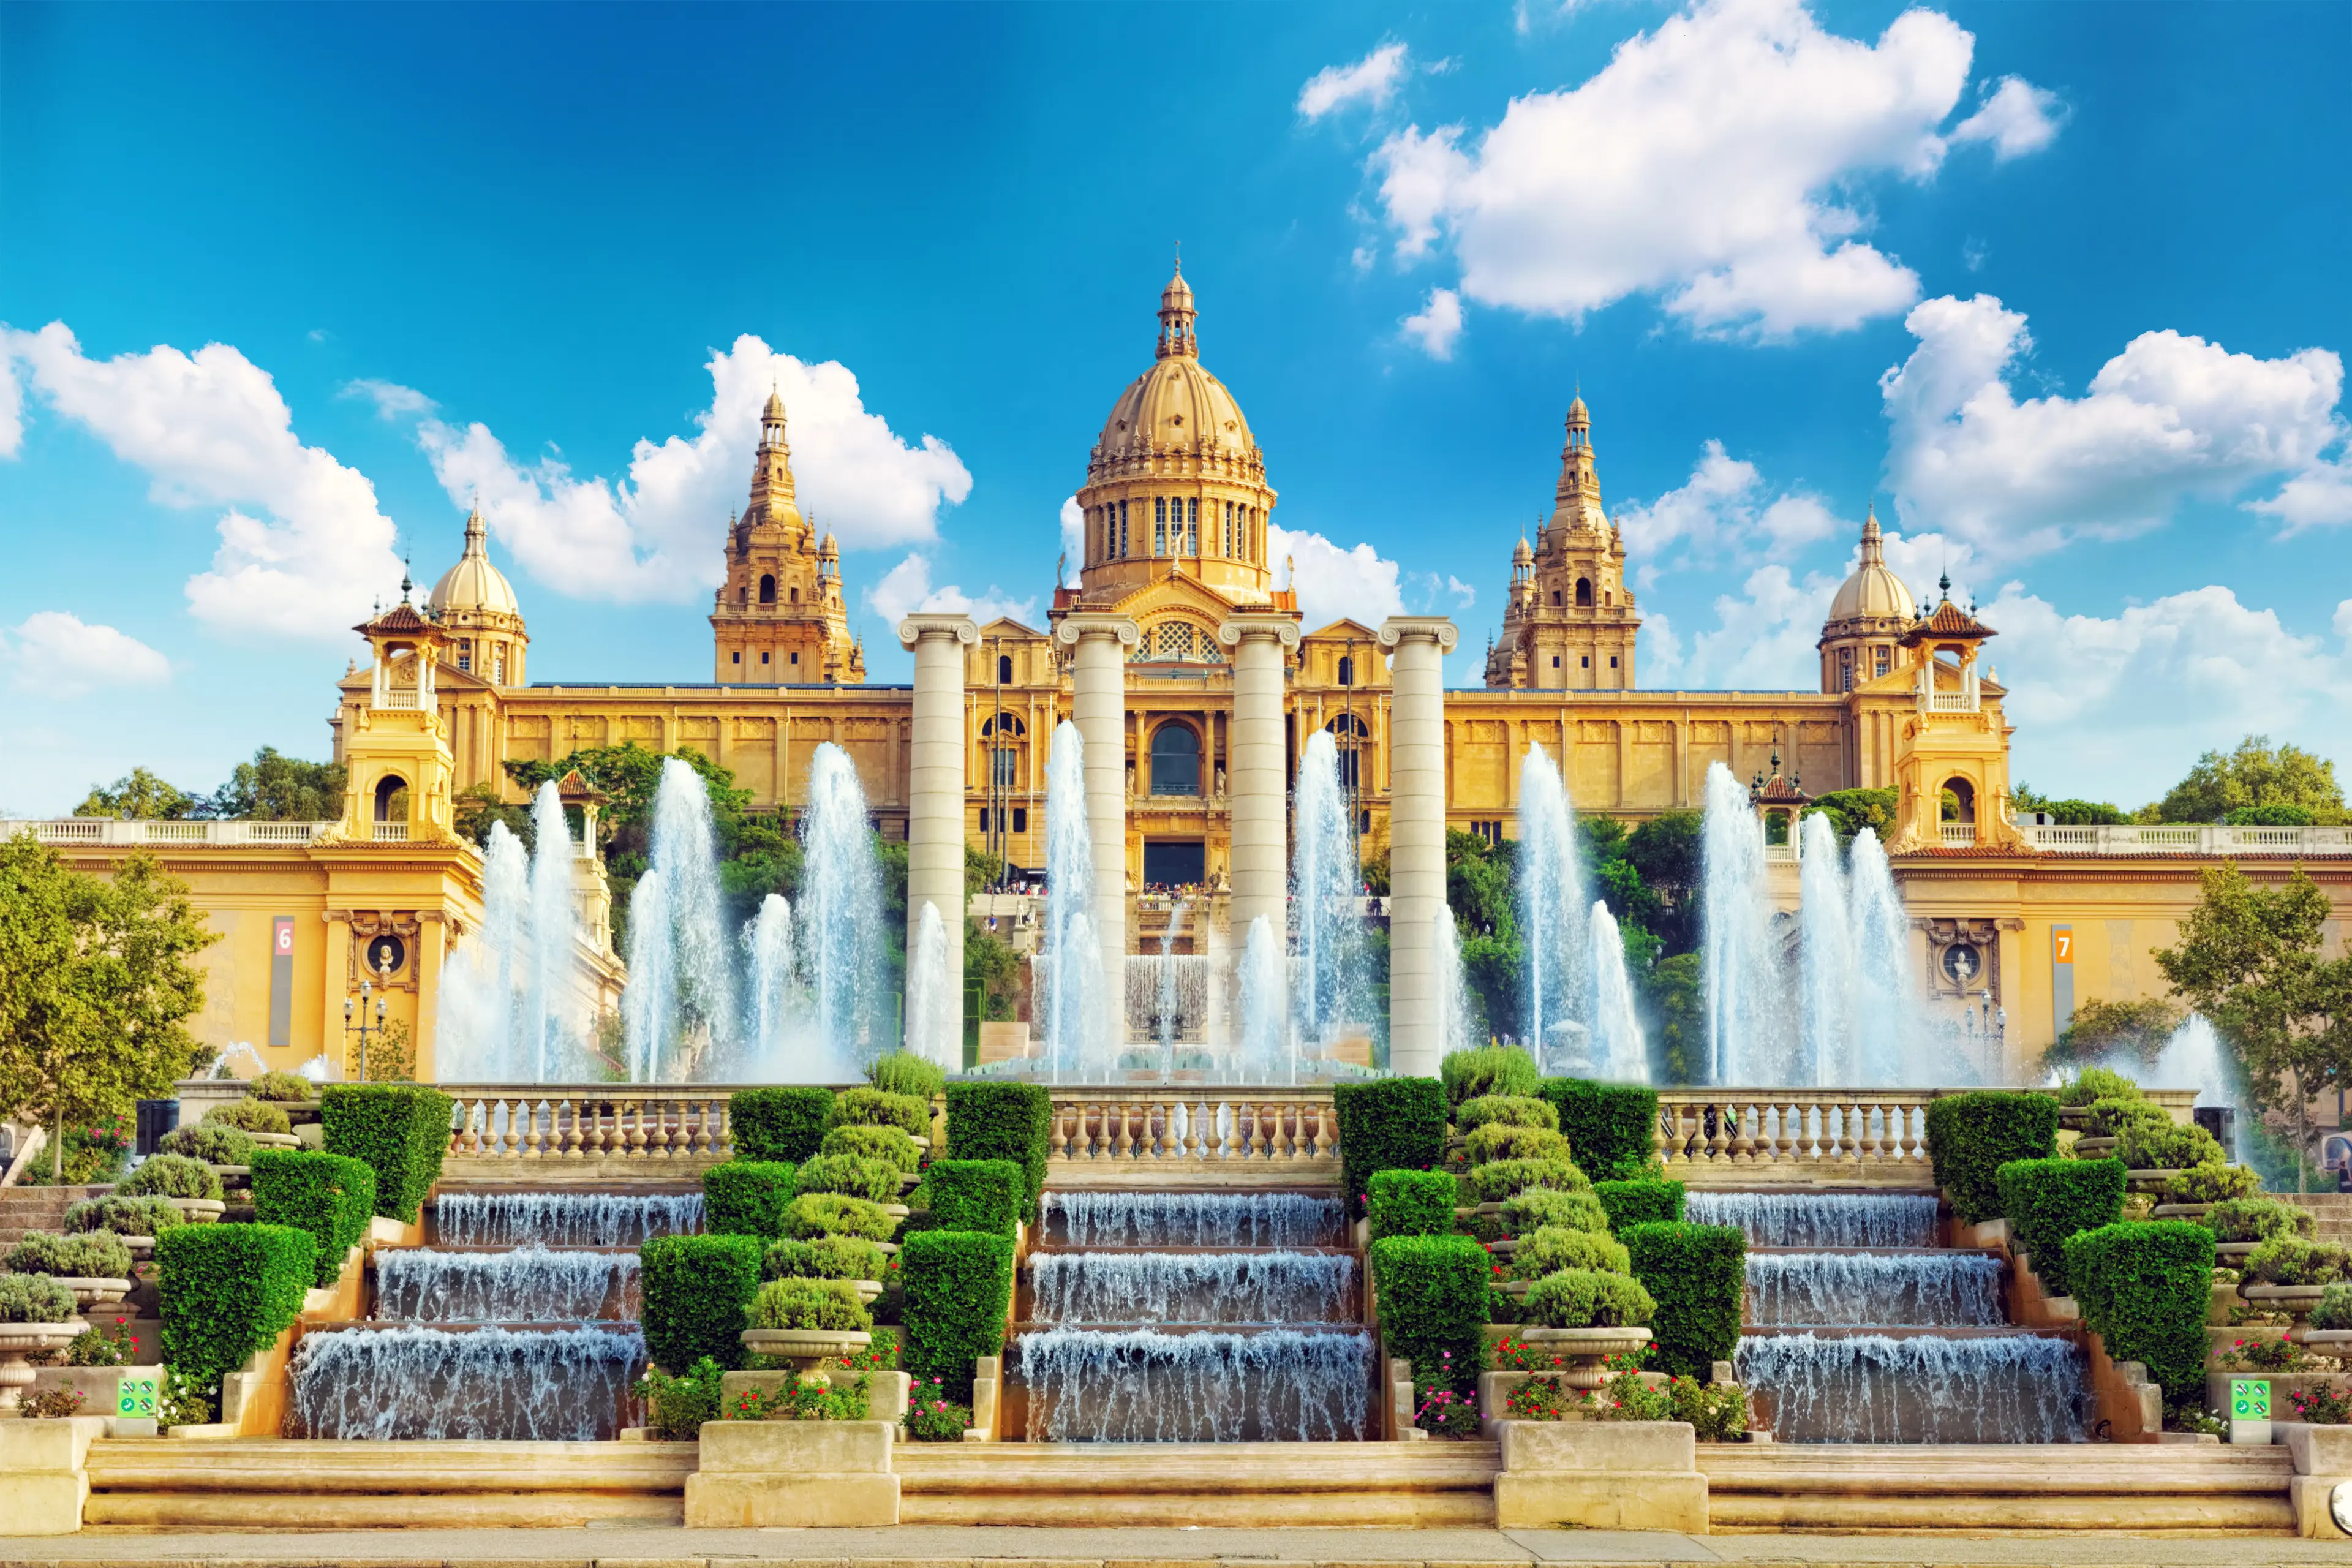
(507,1012)
(1084,1218)
(1264,1046)
(678,1014)
(555,1035)
(777,1000)
(1452,985)
(1745,1019)
(1826,956)
(533,1284)
(1619,1053)
(1129,1287)
(1168,992)
(934,1007)
(1333,968)
(1579,1000)
(1066,976)
(561,1219)
(1822,1219)
(1911,1289)
(1917,1388)
(843,948)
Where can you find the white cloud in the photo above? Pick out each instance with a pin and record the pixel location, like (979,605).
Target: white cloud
(2168,418)
(1372,79)
(1713,161)
(1437,324)
(392,400)
(1762,640)
(1074,542)
(210,429)
(2343,621)
(1724,509)
(2017,118)
(12,408)
(2319,497)
(656,534)
(907,588)
(54,654)
(1356,584)
(1465,595)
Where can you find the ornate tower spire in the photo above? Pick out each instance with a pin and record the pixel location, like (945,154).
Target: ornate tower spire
(1577,502)
(1177,338)
(771,469)
(1873,551)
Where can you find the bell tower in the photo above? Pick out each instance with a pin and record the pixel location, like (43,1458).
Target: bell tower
(395,749)
(1570,622)
(779,619)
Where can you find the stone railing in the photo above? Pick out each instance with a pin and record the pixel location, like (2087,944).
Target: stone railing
(1180,1133)
(2185,838)
(1959,835)
(108,830)
(649,1122)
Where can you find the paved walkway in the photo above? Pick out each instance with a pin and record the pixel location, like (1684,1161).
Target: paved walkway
(923,1546)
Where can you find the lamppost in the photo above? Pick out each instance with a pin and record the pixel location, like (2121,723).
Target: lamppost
(362,1028)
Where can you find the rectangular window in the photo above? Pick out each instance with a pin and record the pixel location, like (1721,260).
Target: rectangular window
(737,656)
(1612,661)
(1159,525)
(1020,819)
(764,659)
(1123,531)
(1192,526)
(796,659)
(498,667)
(984,819)
(1586,662)
(1882,661)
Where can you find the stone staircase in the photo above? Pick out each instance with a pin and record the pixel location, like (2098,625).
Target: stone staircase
(37,1208)
(2331,1211)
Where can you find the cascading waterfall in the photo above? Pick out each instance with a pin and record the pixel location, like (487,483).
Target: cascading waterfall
(1745,1016)
(562,1219)
(487,1383)
(1149,1386)
(1452,985)
(1155,978)
(1193,1220)
(1911,1289)
(1820,1219)
(932,1004)
(1333,977)
(840,913)
(1552,914)
(526,1285)
(1128,1288)
(1826,955)
(1918,1388)
(778,1002)
(1263,1048)
(1068,969)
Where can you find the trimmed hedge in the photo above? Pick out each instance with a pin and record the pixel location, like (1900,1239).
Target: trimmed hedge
(1502,1140)
(171,1176)
(1613,1127)
(1532,1209)
(2046,1201)
(904,1072)
(1003,1122)
(2144,1288)
(892,1147)
(834,1213)
(1495,1181)
(779,1126)
(1411,1203)
(875,1181)
(1389,1124)
(1971,1136)
(1518,1110)
(1644,1202)
(229,1290)
(959,1286)
(879,1108)
(1697,1275)
(1589,1299)
(331,1196)
(399,1131)
(697,1290)
(1552,1247)
(747,1197)
(1478,1070)
(976,1195)
(1432,1291)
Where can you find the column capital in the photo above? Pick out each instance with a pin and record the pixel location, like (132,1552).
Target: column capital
(914,629)
(1438,629)
(1283,629)
(1079,625)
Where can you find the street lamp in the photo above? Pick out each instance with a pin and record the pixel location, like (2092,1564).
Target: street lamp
(362,1028)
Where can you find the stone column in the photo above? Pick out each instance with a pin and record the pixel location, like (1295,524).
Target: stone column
(1261,868)
(1098,707)
(1417,839)
(935,797)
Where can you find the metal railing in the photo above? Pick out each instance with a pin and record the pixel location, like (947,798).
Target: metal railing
(2185,838)
(108,830)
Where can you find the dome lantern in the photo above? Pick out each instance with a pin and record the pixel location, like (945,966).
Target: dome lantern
(1177,334)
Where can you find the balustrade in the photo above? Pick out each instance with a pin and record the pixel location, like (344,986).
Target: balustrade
(2183,839)
(106,830)
(1172,1129)
(555,1121)
(1873,1131)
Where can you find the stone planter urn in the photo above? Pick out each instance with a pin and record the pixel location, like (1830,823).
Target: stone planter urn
(2335,1342)
(2230,1254)
(93,1292)
(19,1341)
(895,1211)
(2297,1301)
(2094,1148)
(199,1211)
(1585,1349)
(2147,1182)
(2182,1211)
(807,1349)
(274,1140)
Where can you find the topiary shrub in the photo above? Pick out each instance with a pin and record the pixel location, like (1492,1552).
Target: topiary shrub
(2252,1219)
(2167,1146)
(1389,1124)
(1498,1179)
(833,1214)
(887,1144)
(1698,1275)
(2144,1289)
(975,1194)
(826,1258)
(1644,1202)
(249,1116)
(1971,1136)
(1614,1126)
(93,1255)
(1532,1209)
(2095,1084)
(2291,1260)
(778,1126)
(399,1131)
(696,1289)
(1513,1110)
(1552,1247)
(2106,1118)
(208,1142)
(229,1292)
(123,1215)
(747,1197)
(171,1176)
(959,1286)
(1003,1122)
(35,1298)
(2333,1312)
(330,1197)
(2211,1185)
(1487,1069)
(282,1086)
(1411,1203)
(904,1072)
(851,1177)
(1502,1140)
(877,1108)
(1584,1298)
(2046,1201)
(824,1304)
(1432,1294)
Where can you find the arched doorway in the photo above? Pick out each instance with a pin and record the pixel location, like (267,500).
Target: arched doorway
(1175,760)
(392,798)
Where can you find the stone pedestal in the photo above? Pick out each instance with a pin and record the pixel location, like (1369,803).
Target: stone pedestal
(886,1392)
(1261,857)
(792,1474)
(1601,1475)
(1416,839)
(2323,1468)
(935,794)
(1098,707)
(42,1483)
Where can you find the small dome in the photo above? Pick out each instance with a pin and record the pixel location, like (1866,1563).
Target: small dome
(829,547)
(774,413)
(473,584)
(1522,555)
(1577,413)
(1873,592)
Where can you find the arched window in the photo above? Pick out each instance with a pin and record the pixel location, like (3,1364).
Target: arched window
(1347,670)
(1005,669)
(1175,760)
(1003,724)
(1584,593)
(1959,800)
(392,798)
(767,590)
(1354,736)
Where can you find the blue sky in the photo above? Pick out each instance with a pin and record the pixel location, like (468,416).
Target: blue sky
(2059,286)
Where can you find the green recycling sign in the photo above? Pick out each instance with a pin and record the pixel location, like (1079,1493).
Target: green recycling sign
(2249,1399)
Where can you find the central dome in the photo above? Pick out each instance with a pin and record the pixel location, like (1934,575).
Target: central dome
(1873,592)
(1176,407)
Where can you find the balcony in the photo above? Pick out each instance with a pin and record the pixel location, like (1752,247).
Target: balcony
(390,832)
(106,831)
(1959,835)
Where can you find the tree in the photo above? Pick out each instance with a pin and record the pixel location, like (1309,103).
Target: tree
(96,984)
(138,795)
(1851,810)
(2254,774)
(275,787)
(478,807)
(2137,1029)
(2249,960)
(2067,813)
(1665,851)
(991,968)
(1674,997)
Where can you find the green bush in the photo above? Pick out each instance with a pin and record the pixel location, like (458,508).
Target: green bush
(2096,1083)
(399,1131)
(1513,1110)
(1698,1273)
(1718,1411)
(1432,1292)
(2241,1219)
(207,1141)
(975,1194)
(1971,1136)
(249,1116)
(747,1197)
(229,1292)
(1647,1200)
(35,1298)
(1498,1179)
(892,1147)
(1411,1203)
(2291,1260)
(879,1108)
(2107,1117)
(282,1086)
(833,1214)
(1584,1298)
(1532,1209)
(1003,1122)
(1614,1126)
(2333,1312)
(778,1126)
(1552,1247)
(2145,1288)
(851,1177)
(2167,1146)
(1482,1070)
(330,1197)
(676,1407)
(1389,1124)
(93,1255)
(831,1305)
(826,1258)
(696,1289)
(959,1286)
(123,1216)
(1501,1141)
(2046,1201)
(171,1176)
(904,1072)
(2211,1185)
